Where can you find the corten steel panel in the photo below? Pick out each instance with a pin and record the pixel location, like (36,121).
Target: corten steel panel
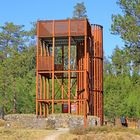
(44,63)
(80,55)
(45,28)
(89,30)
(98,71)
(61,28)
(77,28)
(58,67)
(90,75)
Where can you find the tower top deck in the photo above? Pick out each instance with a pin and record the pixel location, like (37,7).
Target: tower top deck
(63,28)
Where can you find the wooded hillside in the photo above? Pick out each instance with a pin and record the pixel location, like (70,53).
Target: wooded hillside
(121,69)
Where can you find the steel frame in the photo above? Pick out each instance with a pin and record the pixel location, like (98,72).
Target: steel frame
(77,80)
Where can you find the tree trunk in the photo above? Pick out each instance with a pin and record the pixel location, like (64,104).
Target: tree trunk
(15,104)
(15,99)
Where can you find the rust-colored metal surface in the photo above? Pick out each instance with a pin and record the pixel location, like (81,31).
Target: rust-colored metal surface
(97,32)
(69,68)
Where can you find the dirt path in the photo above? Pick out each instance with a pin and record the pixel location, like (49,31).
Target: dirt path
(55,134)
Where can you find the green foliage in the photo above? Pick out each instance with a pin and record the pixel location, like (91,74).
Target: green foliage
(121,84)
(128,24)
(121,71)
(121,87)
(79,11)
(121,61)
(17,69)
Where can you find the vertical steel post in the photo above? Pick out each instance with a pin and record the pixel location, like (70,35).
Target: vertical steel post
(98,71)
(45,108)
(37,93)
(45,50)
(99,55)
(69,45)
(53,47)
(80,85)
(40,95)
(48,94)
(95,73)
(41,54)
(101,74)
(97,67)
(85,75)
(62,86)
(37,54)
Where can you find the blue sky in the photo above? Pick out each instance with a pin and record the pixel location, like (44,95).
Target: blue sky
(25,11)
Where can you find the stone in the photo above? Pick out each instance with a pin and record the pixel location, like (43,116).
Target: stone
(53,121)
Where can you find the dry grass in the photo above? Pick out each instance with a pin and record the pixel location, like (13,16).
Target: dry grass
(2,123)
(102,133)
(78,131)
(107,129)
(68,136)
(22,134)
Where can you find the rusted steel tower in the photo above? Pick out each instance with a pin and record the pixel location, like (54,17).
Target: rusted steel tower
(69,68)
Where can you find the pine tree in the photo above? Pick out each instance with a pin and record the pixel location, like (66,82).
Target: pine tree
(127,25)
(79,11)
(17,62)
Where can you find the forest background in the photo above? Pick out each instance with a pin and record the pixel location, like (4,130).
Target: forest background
(121,68)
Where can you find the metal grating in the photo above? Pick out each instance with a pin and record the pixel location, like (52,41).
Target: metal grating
(61,28)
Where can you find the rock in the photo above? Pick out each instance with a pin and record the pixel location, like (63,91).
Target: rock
(72,121)
(51,122)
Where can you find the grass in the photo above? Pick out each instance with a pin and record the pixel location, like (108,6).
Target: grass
(22,134)
(78,131)
(102,133)
(2,123)
(92,133)
(106,129)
